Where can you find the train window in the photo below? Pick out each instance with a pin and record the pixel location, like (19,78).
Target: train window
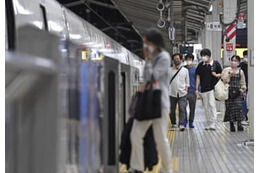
(10,24)
(123,75)
(44,17)
(111,118)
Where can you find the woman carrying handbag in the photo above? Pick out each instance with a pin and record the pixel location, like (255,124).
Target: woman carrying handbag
(237,90)
(156,68)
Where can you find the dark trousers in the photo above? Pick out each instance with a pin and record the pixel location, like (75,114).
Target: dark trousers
(192,98)
(182,102)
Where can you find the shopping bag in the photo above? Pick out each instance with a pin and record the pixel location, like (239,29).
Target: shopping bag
(221,91)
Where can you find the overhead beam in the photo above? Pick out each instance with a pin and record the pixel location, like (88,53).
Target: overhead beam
(194,18)
(80,2)
(197,3)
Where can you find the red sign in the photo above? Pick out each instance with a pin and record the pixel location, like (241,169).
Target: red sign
(229,47)
(241,16)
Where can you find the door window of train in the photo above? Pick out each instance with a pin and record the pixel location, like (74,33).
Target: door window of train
(44,15)
(123,89)
(111,118)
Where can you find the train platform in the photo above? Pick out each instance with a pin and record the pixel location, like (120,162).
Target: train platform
(219,151)
(74,70)
(202,151)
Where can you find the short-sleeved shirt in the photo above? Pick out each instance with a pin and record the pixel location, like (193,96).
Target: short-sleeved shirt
(192,76)
(207,80)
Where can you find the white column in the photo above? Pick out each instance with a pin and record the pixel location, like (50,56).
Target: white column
(212,39)
(250,36)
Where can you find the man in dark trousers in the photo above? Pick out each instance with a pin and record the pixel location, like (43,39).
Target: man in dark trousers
(191,97)
(244,67)
(207,75)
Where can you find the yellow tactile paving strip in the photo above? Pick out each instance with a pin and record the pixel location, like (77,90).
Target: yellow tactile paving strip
(156,168)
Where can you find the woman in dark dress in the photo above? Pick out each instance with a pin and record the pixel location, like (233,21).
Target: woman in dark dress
(237,89)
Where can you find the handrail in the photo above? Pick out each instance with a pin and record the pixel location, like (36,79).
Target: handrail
(18,61)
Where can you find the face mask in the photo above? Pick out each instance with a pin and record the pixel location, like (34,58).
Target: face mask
(234,64)
(150,48)
(189,62)
(177,62)
(204,58)
(245,59)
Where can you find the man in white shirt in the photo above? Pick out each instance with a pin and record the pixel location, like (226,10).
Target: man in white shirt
(179,83)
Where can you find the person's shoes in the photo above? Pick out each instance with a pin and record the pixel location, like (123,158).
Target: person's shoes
(232,127)
(244,123)
(174,127)
(182,128)
(240,128)
(212,127)
(207,127)
(191,125)
(185,123)
(135,171)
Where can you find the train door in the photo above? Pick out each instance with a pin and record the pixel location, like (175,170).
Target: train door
(110,136)
(124,96)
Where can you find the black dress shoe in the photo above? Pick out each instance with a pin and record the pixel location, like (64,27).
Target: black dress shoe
(232,127)
(240,128)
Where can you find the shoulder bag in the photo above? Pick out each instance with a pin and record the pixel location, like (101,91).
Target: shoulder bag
(175,75)
(147,104)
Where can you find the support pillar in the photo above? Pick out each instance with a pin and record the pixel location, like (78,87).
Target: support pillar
(250,36)
(212,39)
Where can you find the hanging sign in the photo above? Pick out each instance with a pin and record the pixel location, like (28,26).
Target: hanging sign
(240,21)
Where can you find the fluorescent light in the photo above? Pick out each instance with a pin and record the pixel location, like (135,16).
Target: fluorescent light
(90,43)
(75,36)
(38,24)
(211,8)
(106,50)
(55,26)
(97,46)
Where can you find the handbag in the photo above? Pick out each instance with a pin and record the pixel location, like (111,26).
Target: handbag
(148,104)
(234,92)
(221,91)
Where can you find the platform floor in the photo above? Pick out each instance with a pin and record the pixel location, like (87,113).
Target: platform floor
(221,151)
(200,151)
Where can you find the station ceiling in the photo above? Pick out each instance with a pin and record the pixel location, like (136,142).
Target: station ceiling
(126,20)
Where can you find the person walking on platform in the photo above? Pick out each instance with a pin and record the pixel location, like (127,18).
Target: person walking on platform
(207,74)
(244,66)
(157,64)
(237,90)
(179,83)
(191,97)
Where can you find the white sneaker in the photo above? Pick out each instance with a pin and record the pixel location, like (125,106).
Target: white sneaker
(244,123)
(182,128)
(174,127)
(212,127)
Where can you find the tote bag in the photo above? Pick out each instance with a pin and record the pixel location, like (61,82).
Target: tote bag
(221,91)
